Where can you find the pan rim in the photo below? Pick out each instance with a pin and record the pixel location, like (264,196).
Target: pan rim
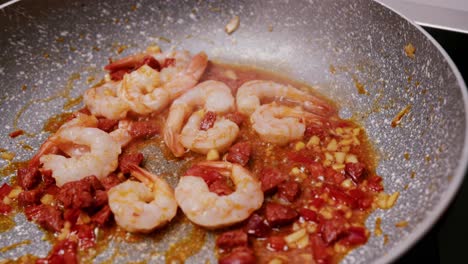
(454,186)
(459,173)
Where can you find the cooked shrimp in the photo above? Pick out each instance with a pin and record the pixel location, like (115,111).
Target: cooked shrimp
(121,135)
(212,96)
(281,124)
(184,73)
(142,206)
(251,94)
(100,160)
(219,137)
(207,209)
(103,101)
(49,146)
(146,90)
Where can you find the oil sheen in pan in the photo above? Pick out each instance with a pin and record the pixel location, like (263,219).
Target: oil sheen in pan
(363,37)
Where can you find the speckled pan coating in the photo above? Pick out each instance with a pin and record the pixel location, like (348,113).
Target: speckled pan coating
(43,43)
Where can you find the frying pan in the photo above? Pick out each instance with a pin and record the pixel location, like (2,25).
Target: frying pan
(55,48)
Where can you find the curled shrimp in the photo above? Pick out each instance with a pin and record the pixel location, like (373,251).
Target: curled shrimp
(142,206)
(50,147)
(121,135)
(146,90)
(219,137)
(281,124)
(212,96)
(251,94)
(207,209)
(103,101)
(99,159)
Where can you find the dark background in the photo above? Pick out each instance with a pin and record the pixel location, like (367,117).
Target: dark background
(447,241)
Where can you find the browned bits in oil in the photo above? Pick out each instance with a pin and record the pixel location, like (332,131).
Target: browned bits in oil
(7,155)
(410,50)
(60,39)
(12,167)
(6,223)
(133,8)
(187,246)
(397,119)
(72,102)
(15,245)
(413,174)
(406,155)
(359,86)
(401,224)
(46,55)
(53,123)
(16,133)
(427,158)
(27,147)
(96,48)
(406,187)
(385,239)
(24,87)
(121,48)
(164,39)
(332,69)
(72,49)
(215,9)
(90,79)
(28,258)
(378,228)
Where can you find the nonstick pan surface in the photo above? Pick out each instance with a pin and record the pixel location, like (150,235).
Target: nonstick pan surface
(50,52)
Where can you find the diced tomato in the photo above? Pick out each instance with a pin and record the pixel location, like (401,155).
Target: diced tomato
(289,190)
(317,203)
(4,190)
(375,183)
(300,157)
(5,208)
(62,252)
(86,236)
(364,201)
(308,215)
(334,176)
(319,249)
(356,171)
(257,226)
(341,196)
(208,120)
(331,230)
(270,178)
(316,169)
(355,236)
(276,243)
(71,215)
(232,239)
(279,214)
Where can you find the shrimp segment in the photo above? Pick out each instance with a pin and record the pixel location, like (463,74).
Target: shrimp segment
(49,146)
(101,159)
(209,210)
(103,101)
(281,124)
(251,94)
(142,206)
(212,96)
(146,90)
(219,137)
